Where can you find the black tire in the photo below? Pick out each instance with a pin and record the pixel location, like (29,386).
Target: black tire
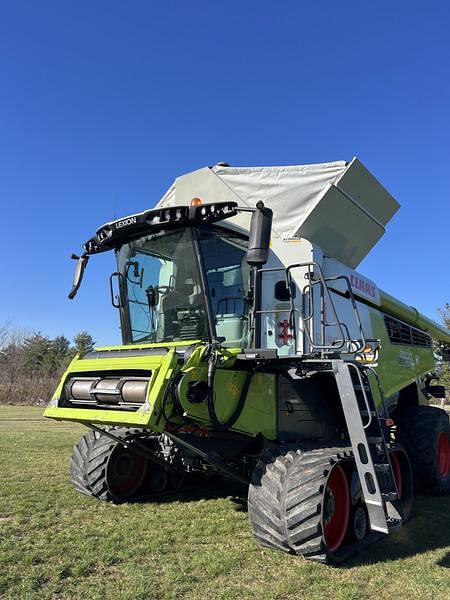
(421,430)
(105,469)
(77,466)
(288,500)
(401,466)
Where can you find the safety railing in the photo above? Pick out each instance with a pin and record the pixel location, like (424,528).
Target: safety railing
(312,301)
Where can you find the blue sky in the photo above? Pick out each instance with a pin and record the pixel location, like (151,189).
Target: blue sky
(104,103)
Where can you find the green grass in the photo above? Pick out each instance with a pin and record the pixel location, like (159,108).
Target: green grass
(56,543)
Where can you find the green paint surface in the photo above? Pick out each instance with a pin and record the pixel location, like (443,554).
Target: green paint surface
(257,417)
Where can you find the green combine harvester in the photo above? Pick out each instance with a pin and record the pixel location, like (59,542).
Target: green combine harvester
(253,348)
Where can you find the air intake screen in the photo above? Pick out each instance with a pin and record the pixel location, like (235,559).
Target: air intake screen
(401,333)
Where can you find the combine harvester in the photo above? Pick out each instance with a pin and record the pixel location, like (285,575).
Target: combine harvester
(253,348)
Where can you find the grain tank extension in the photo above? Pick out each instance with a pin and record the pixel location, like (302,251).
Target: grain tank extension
(253,347)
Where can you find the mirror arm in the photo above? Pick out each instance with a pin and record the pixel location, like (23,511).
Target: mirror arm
(79,272)
(241,209)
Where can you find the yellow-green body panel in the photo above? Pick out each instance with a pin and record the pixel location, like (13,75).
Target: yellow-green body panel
(258,415)
(259,412)
(398,366)
(149,415)
(411,315)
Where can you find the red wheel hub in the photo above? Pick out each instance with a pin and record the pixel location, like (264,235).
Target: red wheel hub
(125,472)
(336,509)
(443,454)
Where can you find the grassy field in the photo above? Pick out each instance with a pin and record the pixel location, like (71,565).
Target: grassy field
(56,543)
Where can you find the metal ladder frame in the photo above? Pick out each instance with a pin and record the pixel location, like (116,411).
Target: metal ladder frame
(382,502)
(353,379)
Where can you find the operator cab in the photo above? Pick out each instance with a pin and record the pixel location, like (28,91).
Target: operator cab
(163,296)
(181,275)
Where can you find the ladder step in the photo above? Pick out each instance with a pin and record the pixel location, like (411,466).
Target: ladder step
(393,524)
(382,467)
(367,441)
(366,413)
(375,440)
(389,496)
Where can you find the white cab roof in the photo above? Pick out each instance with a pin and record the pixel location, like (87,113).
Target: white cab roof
(339,206)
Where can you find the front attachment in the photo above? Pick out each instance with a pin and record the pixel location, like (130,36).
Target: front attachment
(126,386)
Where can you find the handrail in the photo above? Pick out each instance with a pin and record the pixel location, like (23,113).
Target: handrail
(316,277)
(366,400)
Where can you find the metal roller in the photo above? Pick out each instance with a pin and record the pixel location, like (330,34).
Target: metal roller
(111,390)
(78,389)
(134,390)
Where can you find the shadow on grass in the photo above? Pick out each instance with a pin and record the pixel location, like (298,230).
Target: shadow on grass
(198,487)
(428,529)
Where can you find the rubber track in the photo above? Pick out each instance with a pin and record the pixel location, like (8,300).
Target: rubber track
(418,428)
(89,462)
(286,495)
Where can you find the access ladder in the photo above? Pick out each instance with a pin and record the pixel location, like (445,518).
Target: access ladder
(370,446)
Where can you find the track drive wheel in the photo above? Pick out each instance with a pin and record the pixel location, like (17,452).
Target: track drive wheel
(424,432)
(105,469)
(299,500)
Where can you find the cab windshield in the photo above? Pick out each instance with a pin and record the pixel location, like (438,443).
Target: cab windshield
(161,289)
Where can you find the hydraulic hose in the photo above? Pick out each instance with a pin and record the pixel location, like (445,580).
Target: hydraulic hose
(224,425)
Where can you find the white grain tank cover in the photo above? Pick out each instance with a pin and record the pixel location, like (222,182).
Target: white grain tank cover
(339,206)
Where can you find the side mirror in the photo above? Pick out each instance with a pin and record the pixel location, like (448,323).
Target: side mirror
(79,272)
(259,238)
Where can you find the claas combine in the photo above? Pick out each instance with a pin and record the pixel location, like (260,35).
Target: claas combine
(253,348)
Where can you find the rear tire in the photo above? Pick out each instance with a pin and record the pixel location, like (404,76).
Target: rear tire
(424,432)
(403,476)
(299,501)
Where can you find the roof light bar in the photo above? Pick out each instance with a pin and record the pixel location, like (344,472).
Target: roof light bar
(209,213)
(116,232)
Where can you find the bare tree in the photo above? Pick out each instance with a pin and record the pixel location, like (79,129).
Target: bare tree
(444,377)
(12,365)
(445,315)
(31,364)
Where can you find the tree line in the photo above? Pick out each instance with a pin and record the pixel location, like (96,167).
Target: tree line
(31,364)
(444,377)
